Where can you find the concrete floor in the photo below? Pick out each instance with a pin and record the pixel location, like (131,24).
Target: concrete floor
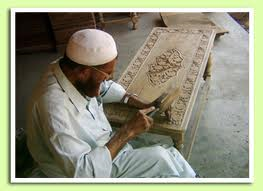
(221,146)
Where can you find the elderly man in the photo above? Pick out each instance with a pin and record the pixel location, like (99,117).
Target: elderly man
(68,134)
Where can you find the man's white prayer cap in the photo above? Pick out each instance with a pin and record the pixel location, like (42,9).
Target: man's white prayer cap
(91,47)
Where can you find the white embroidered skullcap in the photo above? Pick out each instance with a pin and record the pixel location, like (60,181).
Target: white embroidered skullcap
(91,47)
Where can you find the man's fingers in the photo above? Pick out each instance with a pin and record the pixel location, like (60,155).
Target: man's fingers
(147,110)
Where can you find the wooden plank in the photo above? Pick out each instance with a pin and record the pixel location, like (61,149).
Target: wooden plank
(169,56)
(194,20)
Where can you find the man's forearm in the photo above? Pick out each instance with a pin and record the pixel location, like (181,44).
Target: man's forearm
(116,143)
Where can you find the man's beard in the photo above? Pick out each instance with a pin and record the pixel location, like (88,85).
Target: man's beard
(89,87)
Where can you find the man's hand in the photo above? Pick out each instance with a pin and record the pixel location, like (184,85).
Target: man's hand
(140,123)
(138,103)
(135,101)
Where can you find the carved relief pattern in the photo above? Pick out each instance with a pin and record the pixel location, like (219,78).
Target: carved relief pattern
(180,106)
(165,67)
(187,89)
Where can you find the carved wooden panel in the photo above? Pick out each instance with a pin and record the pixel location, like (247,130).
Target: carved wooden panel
(164,67)
(169,57)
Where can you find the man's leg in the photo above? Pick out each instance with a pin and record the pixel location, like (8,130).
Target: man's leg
(151,162)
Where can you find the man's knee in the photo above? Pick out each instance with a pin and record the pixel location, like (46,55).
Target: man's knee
(158,153)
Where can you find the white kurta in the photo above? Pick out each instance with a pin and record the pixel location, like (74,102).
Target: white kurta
(67,133)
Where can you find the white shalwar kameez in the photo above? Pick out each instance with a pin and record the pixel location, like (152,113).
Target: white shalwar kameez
(67,133)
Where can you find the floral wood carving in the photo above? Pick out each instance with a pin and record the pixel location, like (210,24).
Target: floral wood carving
(165,67)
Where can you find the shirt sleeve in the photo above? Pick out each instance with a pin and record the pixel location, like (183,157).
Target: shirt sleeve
(111,91)
(76,157)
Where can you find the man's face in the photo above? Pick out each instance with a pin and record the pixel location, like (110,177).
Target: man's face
(90,85)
